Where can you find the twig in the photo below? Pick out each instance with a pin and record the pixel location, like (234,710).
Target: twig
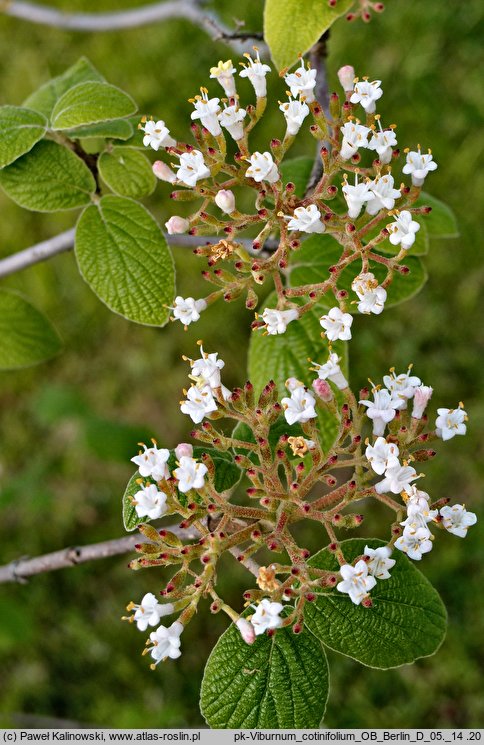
(126,19)
(21,569)
(318,55)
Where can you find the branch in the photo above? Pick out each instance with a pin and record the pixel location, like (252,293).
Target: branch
(112,21)
(21,569)
(318,55)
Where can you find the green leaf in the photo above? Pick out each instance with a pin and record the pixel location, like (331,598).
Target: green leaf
(123,256)
(286,355)
(291,27)
(441,222)
(119,129)
(27,336)
(20,130)
(297,170)
(48,178)
(407,620)
(46,97)
(312,261)
(227,475)
(277,682)
(127,172)
(88,103)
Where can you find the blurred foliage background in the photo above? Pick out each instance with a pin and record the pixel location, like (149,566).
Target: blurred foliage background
(69,426)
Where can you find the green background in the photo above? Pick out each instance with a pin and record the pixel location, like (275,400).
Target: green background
(69,427)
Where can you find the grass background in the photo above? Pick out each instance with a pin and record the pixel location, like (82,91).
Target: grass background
(68,427)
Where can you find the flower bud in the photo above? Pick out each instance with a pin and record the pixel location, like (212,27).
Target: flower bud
(421,398)
(163,172)
(176,225)
(184,449)
(246,629)
(346,76)
(225,199)
(323,390)
(292,384)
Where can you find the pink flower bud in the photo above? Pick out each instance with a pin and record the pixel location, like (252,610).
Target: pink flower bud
(246,629)
(163,172)
(184,449)
(225,200)
(176,225)
(421,398)
(346,76)
(323,390)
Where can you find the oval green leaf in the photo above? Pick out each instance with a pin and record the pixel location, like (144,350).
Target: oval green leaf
(127,172)
(311,263)
(48,178)
(45,98)
(27,336)
(297,170)
(441,222)
(20,130)
(119,129)
(91,102)
(407,620)
(278,682)
(123,256)
(291,27)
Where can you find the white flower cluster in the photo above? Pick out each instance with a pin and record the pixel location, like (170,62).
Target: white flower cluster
(205,373)
(150,501)
(358,580)
(165,642)
(299,406)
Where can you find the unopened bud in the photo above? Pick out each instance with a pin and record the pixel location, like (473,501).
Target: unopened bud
(176,225)
(346,76)
(421,398)
(323,390)
(225,199)
(184,449)
(247,631)
(163,172)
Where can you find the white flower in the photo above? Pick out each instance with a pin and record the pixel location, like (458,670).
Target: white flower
(450,422)
(231,119)
(380,561)
(176,225)
(187,310)
(247,631)
(262,168)
(419,165)
(397,479)
(256,72)
(418,510)
(356,196)
(306,219)
(381,410)
(277,321)
(346,76)
(402,387)
(367,94)
(224,73)
(200,402)
(403,230)
(383,142)
(153,462)
(225,200)
(206,370)
(337,324)
(149,611)
(156,134)
(383,194)
(266,616)
(456,519)
(414,542)
(206,109)
(192,168)
(190,474)
(355,135)
(382,455)
(149,502)
(166,642)
(163,172)
(357,583)
(302,82)
(372,296)
(300,406)
(421,397)
(332,371)
(295,113)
